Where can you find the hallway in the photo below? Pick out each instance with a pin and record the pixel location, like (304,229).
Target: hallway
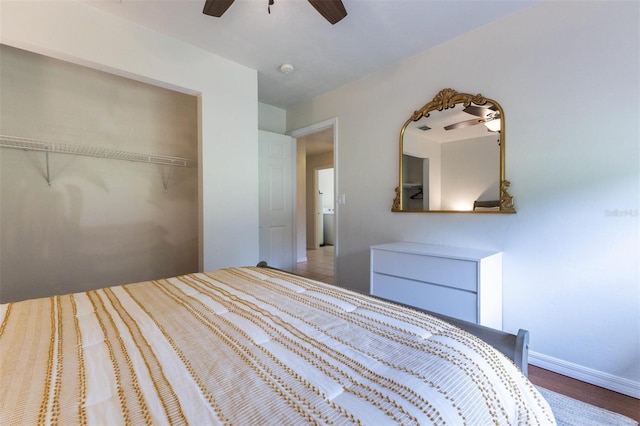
(319,265)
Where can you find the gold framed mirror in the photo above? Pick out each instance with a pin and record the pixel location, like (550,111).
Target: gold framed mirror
(452,157)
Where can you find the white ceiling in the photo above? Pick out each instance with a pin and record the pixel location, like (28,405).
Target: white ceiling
(374,35)
(437,121)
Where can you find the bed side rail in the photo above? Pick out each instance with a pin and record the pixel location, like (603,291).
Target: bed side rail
(513,346)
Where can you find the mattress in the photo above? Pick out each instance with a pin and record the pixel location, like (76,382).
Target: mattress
(249,346)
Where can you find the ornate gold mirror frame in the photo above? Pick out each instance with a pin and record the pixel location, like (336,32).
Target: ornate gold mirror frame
(447,99)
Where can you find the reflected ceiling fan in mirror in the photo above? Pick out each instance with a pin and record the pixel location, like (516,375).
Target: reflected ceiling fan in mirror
(332,10)
(487,115)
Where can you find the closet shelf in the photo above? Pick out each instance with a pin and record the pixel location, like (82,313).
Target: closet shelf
(90,151)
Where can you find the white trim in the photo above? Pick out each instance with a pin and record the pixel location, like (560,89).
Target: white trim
(314,128)
(586,374)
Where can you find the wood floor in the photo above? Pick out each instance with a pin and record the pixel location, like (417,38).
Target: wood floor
(319,266)
(594,395)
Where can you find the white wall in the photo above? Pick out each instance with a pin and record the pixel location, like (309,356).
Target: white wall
(566,74)
(272,119)
(470,172)
(228,137)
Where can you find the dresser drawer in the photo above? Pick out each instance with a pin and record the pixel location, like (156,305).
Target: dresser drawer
(443,300)
(455,273)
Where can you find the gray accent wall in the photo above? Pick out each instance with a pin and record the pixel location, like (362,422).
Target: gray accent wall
(102,221)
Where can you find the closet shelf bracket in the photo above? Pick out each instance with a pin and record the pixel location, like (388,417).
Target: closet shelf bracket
(167,178)
(46,158)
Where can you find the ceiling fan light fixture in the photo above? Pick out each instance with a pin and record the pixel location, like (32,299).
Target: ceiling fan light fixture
(286,68)
(493,125)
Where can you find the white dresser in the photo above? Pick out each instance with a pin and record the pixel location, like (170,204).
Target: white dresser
(459,282)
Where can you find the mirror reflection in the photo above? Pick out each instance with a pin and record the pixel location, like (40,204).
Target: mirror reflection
(452,157)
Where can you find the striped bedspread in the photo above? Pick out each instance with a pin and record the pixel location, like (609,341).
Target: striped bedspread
(248,346)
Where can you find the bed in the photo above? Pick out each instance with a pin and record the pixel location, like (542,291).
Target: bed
(249,346)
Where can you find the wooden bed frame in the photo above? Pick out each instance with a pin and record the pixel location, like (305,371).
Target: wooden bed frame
(513,346)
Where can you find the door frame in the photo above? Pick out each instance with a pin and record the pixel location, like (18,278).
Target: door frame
(313,128)
(317,209)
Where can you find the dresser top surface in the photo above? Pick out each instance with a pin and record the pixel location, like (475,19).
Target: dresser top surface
(437,250)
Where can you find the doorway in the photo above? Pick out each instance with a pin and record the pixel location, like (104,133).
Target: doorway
(325,207)
(316,182)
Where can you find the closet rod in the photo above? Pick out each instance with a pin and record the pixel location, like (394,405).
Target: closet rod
(90,151)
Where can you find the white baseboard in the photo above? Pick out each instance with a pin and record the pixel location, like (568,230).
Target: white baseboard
(302,259)
(585,374)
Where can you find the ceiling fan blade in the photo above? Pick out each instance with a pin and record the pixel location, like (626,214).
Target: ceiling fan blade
(480,111)
(466,123)
(332,10)
(216,7)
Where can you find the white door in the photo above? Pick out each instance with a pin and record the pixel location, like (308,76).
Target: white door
(275,171)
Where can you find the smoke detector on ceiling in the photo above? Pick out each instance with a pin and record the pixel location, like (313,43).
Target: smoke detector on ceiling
(286,68)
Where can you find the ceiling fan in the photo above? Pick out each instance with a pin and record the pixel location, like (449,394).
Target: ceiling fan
(485,115)
(332,10)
